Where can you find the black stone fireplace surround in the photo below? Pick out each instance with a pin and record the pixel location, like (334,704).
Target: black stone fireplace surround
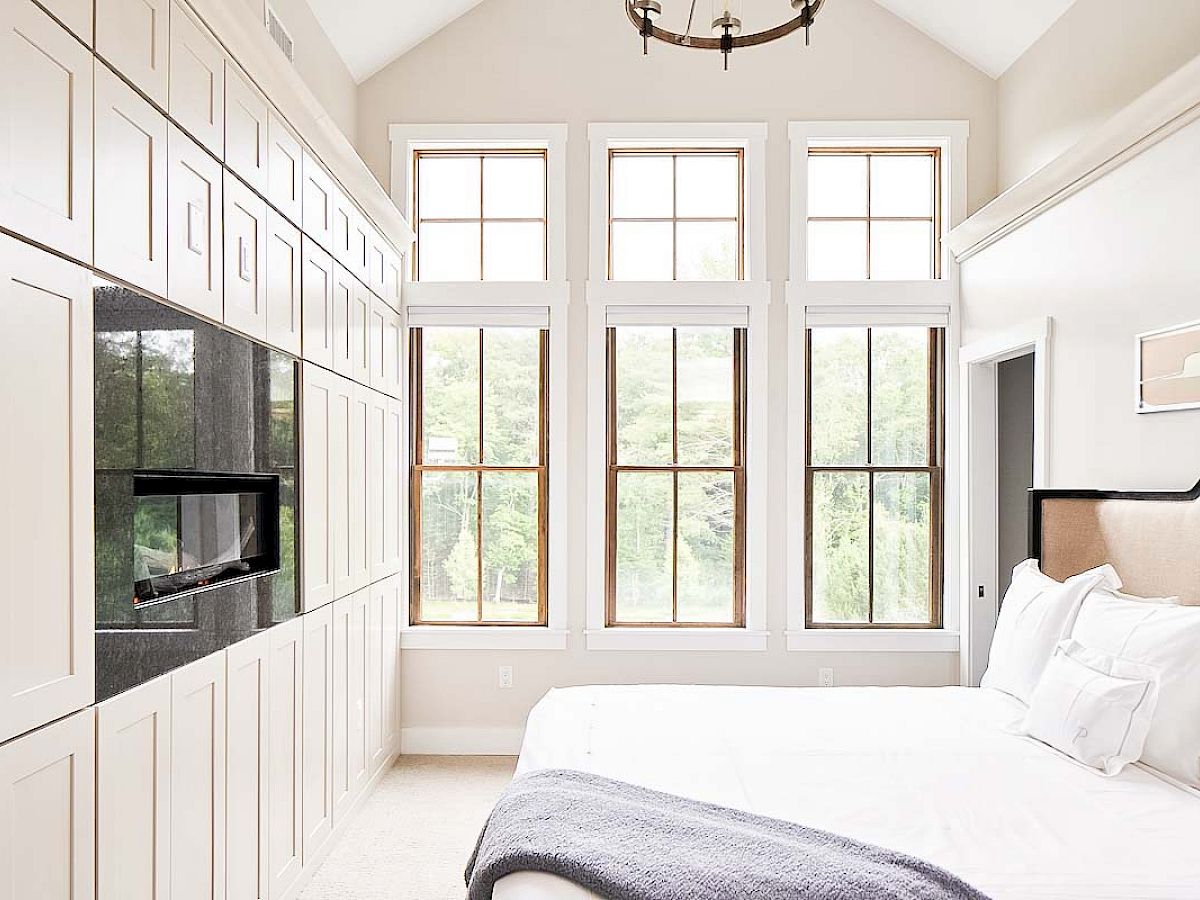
(179,396)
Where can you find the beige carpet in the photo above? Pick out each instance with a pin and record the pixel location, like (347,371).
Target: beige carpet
(411,839)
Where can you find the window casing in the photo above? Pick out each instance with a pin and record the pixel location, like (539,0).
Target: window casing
(686,218)
(491,209)
(682,454)
(481,566)
(859,473)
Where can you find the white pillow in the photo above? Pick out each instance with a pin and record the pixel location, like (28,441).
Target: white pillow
(1167,638)
(1093,707)
(1036,614)
(1170,601)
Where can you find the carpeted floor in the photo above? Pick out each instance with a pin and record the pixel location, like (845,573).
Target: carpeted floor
(412,838)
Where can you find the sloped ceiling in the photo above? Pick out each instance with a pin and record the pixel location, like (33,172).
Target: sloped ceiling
(990,35)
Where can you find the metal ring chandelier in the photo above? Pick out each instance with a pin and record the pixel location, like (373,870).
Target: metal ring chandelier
(726,25)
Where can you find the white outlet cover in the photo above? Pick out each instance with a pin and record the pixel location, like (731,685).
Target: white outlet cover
(825,677)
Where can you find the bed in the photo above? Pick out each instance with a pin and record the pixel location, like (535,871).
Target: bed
(933,772)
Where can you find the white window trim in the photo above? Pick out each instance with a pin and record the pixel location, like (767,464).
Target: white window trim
(910,297)
(755,298)
(750,137)
(553,298)
(406,140)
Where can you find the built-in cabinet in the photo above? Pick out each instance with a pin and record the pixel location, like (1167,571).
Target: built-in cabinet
(245,129)
(285,781)
(197,82)
(245,259)
(247,765)
(285,168)
(317,202)
(195,275)
(316,283)
(133,37)
(317,789)
(284,299)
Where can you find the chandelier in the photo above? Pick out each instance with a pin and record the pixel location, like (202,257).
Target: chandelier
(726,25)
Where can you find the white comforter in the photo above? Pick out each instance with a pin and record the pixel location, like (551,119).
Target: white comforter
(927,771)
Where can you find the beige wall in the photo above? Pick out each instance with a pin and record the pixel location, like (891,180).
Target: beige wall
(510,61)
(318,62)
(1116,259)
(1092,62)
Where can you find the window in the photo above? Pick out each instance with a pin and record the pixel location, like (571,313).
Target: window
(479,475)
(874,213)
(676,482)
(676,215)
(480,215)
(874,476)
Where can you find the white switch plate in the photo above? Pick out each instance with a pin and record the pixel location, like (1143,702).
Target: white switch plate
(506,676)
(825,677)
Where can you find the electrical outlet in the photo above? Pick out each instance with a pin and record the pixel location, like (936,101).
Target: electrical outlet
(506,676)
(825,677)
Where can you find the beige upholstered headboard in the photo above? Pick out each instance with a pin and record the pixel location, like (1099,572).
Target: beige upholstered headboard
(1151,538)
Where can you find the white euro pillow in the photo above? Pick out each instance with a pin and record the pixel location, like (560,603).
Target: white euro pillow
(1168,639)
(1037,613)
(1093,706)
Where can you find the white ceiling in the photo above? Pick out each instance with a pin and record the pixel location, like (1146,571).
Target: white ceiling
(990,35)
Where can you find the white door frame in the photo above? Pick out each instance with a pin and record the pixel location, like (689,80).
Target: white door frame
(979,526)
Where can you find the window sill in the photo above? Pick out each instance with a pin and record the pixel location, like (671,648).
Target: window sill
(481,637)
(675,639)
(901,640)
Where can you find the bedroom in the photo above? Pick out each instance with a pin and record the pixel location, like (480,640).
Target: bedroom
(435,384)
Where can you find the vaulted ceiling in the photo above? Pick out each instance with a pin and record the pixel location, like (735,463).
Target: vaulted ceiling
(369,34)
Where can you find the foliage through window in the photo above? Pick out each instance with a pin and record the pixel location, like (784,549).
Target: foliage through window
(479,478)
(480,215)
(676,480)
(874,214)
(675,215)
(874,448)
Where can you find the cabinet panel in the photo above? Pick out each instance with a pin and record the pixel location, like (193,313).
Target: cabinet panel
(245,129)
(245,252)
(283,283)
(317,801)
(395,500)
(285,177)
(198,780)
(391,664)
(316,283)
(246,665)
(348,486)
(75,15)
(376,314)
(133,35)
(319,497)
(360,334)
(358,471)
(377,413)
(357,692)
(133,794)
(393,278)
(386,354)
(131,185)
(376,744)
(285,752)
(48,832)
(317,203)
(47,664)
(197,84)
(377,252)
(45,131)
(343,227)
(360,247)
(349,702)
(195,276)
(344,287)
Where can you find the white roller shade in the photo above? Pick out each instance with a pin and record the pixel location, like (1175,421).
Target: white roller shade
(479,316)
(882,316)
(732,316)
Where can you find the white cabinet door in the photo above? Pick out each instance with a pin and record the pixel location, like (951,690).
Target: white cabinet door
(377,413)
(393,278)
(391,663)
(245,129)
(376,313)
(131,185)
(198,780)
(349,702)
(395,499)
(246,665)
(360,247)
(245,259)
(195,276)
(377,752)
(48,830)
(75,15)
(358,472)
(348,486)
(133,794)
(47,664)
(316,283)
(360,334)
(319,469)
(45,131)
(344,287)
(357,753)
(317,202)
(343,226)
(285,780)
(133,35)
(283,283)
(377,254)
(285,165)
(317,802)
(386,333)
(197,84)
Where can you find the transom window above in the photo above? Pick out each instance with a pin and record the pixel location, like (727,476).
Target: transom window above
(676,476)
(676,215)
(874,214)
(480,215)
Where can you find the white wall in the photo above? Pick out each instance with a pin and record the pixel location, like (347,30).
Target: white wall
(1096,58)
(1114,260)
(522,61)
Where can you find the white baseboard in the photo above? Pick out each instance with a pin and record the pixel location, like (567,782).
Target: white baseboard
(461,741)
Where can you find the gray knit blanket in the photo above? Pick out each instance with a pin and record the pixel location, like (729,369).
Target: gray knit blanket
(625,842)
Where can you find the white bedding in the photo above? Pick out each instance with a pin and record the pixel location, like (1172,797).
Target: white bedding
(927,771)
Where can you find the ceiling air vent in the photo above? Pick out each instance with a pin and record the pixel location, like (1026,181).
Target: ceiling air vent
(280,35)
